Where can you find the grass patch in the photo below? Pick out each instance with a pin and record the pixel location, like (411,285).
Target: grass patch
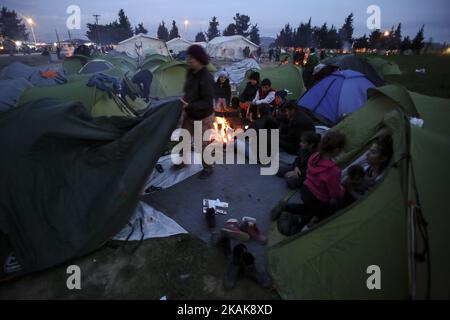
(434,82)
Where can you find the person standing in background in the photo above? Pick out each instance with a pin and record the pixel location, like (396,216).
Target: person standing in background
(198,97)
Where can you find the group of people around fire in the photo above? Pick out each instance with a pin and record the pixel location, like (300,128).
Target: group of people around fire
(314,172)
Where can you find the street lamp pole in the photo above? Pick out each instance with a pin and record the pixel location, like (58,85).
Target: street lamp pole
(186,24)
(31,23)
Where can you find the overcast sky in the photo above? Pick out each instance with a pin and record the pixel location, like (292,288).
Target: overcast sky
(269,14)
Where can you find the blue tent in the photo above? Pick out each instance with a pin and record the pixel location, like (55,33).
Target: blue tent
(339,94)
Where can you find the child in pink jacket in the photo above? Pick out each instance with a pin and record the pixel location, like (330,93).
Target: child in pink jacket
(323,177)
(322,185)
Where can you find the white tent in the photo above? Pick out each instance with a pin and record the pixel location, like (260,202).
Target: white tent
(237,70)
(141,44)
(178,44)
(231,47)
(202,44)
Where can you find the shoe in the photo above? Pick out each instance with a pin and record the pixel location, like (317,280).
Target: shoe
(249,226)
(159,168)
(250,270)
(276,211)
(223,243)
(205,174)
(235,268)
(233,272)
(314,220)
(211,218)
(285,223)
(239,249)
(152,189)
(248,219)
(232,230)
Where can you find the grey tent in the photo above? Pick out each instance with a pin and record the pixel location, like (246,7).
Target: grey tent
(10,92)
(353,62)
(35,75)
(70,182)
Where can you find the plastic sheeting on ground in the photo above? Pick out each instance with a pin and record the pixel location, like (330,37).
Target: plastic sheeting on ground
(18,70)
(171,174)
(149,223)
(236,71)
(10,92)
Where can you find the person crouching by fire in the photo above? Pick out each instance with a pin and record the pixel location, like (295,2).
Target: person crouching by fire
(198,97)
(247,95)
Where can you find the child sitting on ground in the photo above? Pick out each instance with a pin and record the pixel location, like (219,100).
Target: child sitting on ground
(322,185)
(295,174)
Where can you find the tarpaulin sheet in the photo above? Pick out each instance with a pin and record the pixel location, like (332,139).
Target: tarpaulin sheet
(148,223)
(70,182)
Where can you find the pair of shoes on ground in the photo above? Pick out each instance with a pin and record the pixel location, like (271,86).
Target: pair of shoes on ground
(244,230)
(243,263)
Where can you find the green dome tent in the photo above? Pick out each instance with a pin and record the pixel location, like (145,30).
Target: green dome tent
(330,260)
(96,102)
(286,76)
(114,66)
(356,63)
(74,63)
(122,61)
(384,67)
(96,65)
(168,79)
(153,61)
(211,68)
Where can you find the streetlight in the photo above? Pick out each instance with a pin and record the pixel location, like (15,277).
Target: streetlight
(186,24)
(31,23)
(386,33)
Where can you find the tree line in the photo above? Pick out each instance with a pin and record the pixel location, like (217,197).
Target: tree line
(307,35)
(241,26)
(121,29)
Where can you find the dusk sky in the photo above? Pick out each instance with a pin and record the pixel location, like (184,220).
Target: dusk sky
(270,15)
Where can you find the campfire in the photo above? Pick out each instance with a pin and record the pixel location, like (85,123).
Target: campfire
(305,59)
(223,131)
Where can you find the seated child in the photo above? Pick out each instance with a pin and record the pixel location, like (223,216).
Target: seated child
(356,185)
(321,187)
(295,174)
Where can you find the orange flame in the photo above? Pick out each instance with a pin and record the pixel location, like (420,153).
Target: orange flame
(223,131)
